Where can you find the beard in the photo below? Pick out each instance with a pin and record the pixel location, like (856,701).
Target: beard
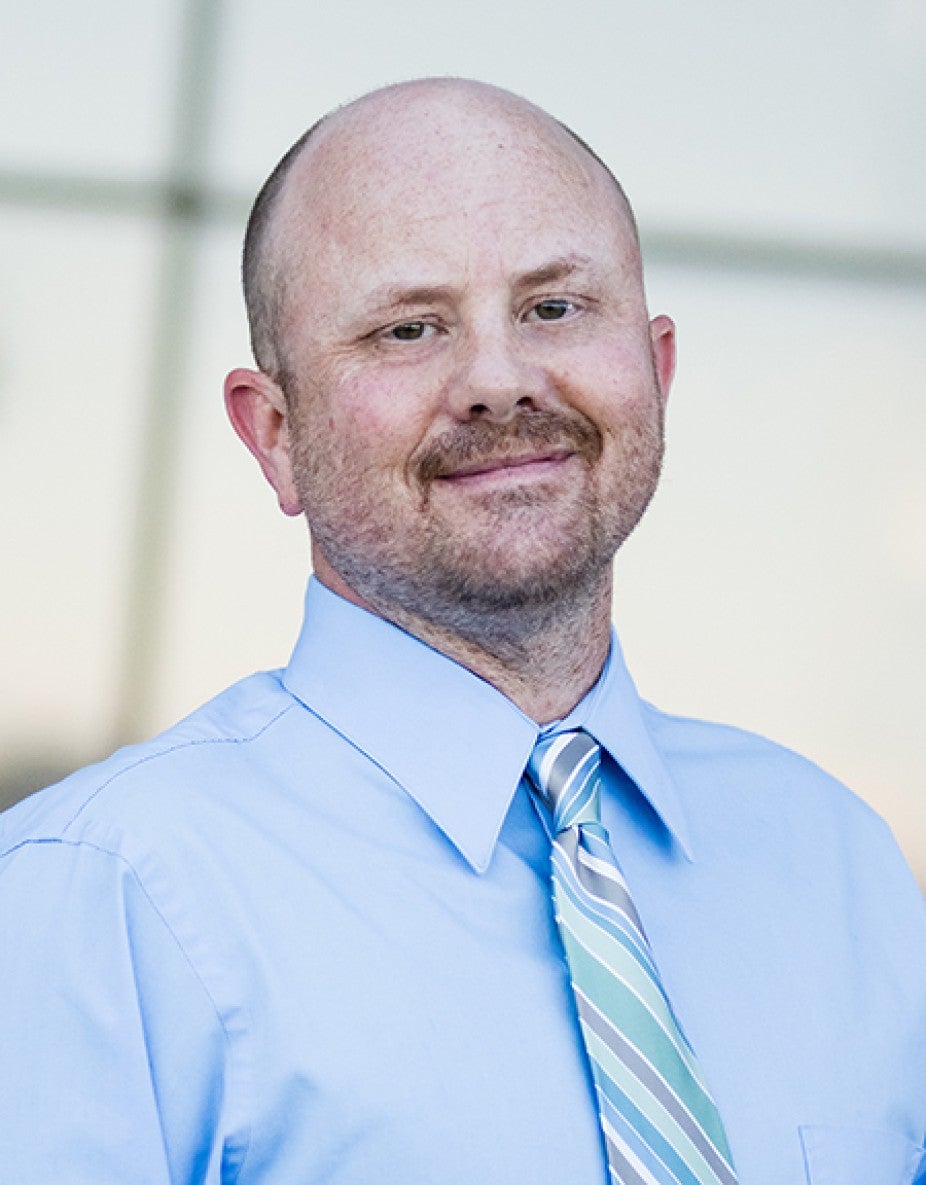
(515,563)
(519,558)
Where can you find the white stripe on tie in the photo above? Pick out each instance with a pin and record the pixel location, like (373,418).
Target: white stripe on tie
(646,1074)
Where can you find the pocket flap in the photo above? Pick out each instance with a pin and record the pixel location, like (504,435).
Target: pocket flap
(852,1156)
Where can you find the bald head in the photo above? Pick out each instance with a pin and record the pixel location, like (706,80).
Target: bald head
(355,147)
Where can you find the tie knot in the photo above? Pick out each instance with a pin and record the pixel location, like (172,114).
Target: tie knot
(564,768)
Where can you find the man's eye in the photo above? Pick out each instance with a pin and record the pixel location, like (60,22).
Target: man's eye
(552,310)
(409,331)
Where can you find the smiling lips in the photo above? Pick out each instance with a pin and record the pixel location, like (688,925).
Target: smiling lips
(531,463)
(533,445)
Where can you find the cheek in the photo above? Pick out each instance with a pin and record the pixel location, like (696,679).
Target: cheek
(370,424)
(611,384)
(385,404)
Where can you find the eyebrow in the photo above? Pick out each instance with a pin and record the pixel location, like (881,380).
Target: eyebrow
(390,296)
(397,296)
(560,268)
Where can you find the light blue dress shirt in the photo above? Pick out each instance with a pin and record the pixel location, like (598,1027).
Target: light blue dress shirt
(305,936)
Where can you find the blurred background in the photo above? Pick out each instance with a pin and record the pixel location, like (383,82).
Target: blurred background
(775,156)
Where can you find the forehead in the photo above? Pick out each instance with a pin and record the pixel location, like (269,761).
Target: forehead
(439,180)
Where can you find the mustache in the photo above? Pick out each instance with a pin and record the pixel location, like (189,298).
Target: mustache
(486,441)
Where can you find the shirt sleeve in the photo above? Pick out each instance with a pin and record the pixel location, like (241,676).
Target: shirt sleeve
(112,1055)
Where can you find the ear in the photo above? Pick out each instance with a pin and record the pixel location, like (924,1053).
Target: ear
(662,336)
(257,409)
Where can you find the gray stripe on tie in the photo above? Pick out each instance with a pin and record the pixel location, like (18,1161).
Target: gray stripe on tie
(644,1072)
(573,755)
(622,1171)
(606,890)
(572,789)
(602,914)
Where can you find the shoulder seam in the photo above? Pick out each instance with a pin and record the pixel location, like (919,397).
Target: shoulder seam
(724,726)
(163,752)
(158,913)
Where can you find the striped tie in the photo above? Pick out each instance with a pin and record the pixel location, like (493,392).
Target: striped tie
(660,1124)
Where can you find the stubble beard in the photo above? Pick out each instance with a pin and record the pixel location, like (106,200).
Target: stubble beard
(521,564)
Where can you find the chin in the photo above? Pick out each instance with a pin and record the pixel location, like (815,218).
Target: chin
(508,582)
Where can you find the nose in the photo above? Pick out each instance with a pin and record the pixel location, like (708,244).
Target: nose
(494,378)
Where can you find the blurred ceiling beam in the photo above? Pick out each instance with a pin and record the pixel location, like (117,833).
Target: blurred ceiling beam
(190,199)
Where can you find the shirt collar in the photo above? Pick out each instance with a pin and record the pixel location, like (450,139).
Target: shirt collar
(453,742)
(614,715)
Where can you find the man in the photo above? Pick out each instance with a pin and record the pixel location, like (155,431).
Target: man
(307,935)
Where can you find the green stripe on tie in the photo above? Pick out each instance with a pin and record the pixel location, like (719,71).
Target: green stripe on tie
(635,1048)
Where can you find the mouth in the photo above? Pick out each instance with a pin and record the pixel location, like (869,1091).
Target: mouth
(538,446)
(526,466)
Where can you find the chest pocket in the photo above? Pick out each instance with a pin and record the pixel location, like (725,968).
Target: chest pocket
(847,1156)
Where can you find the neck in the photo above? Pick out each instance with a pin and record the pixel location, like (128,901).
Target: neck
(544,661)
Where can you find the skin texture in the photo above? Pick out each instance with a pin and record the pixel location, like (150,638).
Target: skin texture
(469,406)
